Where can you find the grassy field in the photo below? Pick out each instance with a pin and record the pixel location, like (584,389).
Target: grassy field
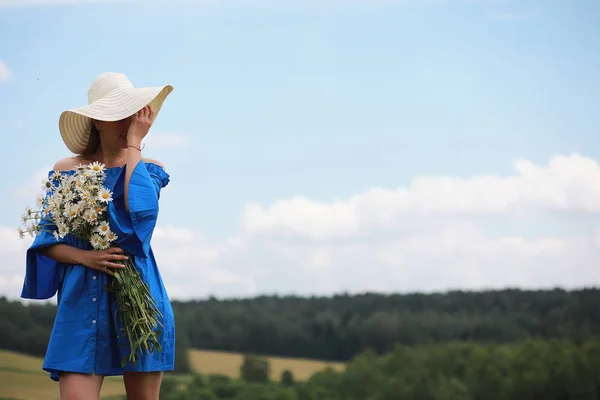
(21,377)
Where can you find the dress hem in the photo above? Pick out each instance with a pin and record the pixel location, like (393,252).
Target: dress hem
(55,373)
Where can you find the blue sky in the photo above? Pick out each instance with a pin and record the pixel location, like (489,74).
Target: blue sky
(323,101)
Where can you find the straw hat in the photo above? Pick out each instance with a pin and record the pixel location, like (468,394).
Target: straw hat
(111,97)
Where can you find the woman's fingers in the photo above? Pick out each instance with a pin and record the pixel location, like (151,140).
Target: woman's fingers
(115,253)
(107,264)
(110,267)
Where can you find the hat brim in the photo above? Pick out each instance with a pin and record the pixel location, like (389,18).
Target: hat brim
(74,124)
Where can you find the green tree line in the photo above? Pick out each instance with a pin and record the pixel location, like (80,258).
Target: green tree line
(528,370)
(339,327)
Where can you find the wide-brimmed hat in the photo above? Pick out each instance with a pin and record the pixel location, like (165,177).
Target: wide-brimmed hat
(111,97)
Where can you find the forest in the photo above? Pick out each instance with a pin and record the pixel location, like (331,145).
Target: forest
(337,328)
(529,370)
(502,344)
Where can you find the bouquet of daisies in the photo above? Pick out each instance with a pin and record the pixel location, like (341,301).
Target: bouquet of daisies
(77,205)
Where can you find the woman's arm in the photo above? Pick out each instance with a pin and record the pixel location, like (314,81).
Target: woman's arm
(138,129)
(63,253)
(94,259)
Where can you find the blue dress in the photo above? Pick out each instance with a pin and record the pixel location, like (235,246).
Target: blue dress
(85,334)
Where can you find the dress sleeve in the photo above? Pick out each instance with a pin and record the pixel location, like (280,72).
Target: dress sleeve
(135,228)
(42,274)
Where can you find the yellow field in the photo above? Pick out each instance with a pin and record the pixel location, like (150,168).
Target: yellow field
(21,377)
(217,362)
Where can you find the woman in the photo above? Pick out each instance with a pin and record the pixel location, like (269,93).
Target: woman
(84,346)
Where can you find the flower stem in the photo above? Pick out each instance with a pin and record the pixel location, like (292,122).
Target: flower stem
(137,311)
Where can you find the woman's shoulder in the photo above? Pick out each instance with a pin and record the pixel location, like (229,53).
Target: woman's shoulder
(152,161)
(67,164)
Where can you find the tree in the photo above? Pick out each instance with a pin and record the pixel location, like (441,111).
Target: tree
(255,369)
(182,354)
(287,378)
(222,386)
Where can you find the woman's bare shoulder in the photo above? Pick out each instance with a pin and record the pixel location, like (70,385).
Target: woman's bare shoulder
(151,161)
(67,163)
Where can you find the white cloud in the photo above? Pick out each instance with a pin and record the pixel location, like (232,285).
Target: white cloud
(5,72)
(434,234)
(167,140)
(565,184)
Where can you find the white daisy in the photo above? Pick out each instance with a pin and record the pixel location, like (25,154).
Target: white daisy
(95,241)
(90,216)
(86,195)
(65,188)
(70,211)
(78,185)
(75,225)
(103,228)
(81,206)
(34,229)
(53,206)
(104,244)
(63,230)
(56,197)
(46,185)
(55,176)
(96,167)
(111,237)
(105,195)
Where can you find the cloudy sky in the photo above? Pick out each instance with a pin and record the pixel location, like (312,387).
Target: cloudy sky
(321,147)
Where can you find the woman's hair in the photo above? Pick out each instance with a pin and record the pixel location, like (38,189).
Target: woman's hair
(93,142)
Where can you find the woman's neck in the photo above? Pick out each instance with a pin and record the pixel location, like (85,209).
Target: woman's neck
(111,157)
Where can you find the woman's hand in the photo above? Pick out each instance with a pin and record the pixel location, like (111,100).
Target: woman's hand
(140,125)
(104,260)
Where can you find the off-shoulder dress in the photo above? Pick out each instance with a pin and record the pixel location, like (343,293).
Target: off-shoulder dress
(85,336)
